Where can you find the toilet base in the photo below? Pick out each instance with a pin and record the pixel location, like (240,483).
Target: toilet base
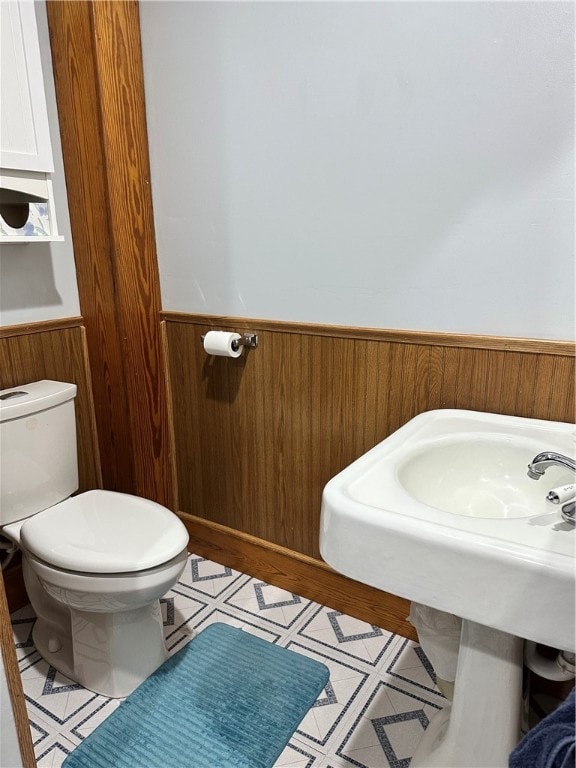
(482,726)
(108,653)
(113,647)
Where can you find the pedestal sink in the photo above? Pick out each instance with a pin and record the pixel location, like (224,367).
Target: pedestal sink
(443,513)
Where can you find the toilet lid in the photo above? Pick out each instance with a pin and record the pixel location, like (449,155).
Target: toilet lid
(105,532)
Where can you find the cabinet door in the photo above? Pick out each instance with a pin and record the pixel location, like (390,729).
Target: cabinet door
(24,133)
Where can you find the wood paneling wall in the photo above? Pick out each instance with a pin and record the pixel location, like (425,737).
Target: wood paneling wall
(56,350)
(258,437)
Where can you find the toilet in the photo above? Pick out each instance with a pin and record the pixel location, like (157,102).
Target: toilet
(95,565)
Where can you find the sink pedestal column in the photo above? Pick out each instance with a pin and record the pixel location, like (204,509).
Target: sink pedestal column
(482,726)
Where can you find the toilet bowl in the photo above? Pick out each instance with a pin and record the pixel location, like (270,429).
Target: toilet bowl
(95,565)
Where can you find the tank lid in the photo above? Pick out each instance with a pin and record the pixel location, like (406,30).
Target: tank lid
(33,398)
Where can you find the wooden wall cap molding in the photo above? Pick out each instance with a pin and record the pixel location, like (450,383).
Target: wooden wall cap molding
(506,343)
(42,326)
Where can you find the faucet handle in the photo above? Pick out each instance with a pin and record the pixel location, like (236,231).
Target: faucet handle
(562,494)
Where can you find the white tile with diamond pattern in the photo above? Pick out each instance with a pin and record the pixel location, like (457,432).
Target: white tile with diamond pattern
(380,697)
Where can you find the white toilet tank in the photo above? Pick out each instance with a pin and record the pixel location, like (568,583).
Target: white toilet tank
(38,460)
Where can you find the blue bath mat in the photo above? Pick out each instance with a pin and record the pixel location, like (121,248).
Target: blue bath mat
(226,700)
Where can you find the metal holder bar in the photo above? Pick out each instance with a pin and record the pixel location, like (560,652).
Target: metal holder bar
(247,340)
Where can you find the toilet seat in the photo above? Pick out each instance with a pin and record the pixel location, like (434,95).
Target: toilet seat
(104,532)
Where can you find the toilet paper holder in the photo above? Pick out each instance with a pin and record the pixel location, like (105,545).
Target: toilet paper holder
(245,340)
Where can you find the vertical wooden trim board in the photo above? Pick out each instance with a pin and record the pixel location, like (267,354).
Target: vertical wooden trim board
(14,683)
(99,86)
(78,109)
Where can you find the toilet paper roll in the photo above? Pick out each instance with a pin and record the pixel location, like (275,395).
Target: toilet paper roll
(222,343)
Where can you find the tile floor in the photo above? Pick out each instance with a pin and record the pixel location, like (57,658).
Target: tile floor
(380,697)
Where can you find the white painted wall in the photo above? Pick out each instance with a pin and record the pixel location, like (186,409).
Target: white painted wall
(38,280)
(389,164)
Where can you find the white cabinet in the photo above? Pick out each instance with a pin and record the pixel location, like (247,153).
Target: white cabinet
(24,133)
(26,203)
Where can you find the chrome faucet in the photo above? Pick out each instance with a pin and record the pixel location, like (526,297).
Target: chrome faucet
(540,464)
(569,511)
(542,461)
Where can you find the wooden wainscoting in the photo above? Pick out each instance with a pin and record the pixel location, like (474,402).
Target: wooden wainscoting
(56,350)
(52,350)
(258,437)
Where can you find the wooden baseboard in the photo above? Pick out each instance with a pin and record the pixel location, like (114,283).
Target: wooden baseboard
(297,573)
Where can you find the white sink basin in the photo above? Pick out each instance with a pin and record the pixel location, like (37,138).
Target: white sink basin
(443,513)
(480,477)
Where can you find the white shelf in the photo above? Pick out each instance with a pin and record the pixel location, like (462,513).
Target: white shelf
(38,239)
